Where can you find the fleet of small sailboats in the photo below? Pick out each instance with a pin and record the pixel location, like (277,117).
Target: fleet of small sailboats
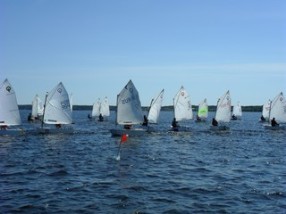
(56,112)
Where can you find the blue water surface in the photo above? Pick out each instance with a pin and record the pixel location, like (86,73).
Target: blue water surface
(242,170)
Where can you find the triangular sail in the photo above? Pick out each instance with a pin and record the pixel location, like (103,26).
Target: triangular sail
(182,106)
(237,110)
(37,107)
(203,109)
(104,108)
(57,108)
(129,109)
(96,109)
(278,108)
(155,108)
(266,109)
(9,111)
(223,111)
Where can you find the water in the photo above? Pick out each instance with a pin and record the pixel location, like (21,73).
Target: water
(240,171)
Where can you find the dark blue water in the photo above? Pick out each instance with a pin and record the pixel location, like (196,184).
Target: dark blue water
(240,171)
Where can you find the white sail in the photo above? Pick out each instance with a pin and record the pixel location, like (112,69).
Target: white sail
(129,109)
(182,106)
(278,108)
(203,109)
(237,110)
(9,111)
(223,111)
(96,109)
(57,106)
(37,107)
(155,108)
(266,109)
(104,108)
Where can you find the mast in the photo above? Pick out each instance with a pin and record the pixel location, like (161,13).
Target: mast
(44,109)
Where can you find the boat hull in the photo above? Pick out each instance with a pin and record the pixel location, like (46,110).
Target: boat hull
(269,127)
(181,129)
(130,132)
(219,128)
(47,130)
(12,132)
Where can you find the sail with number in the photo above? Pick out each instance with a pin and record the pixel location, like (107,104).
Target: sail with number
(203,109)
(278,108)
(182,105)
(57,106)
(37,107)
(9,111)
(129,109)
(223,111)
(237,112)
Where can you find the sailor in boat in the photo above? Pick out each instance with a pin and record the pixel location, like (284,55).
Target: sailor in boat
(58,125)
(145,122)
(4,127)
(262,118)
(273,122)
(175,125)
(127,126)
(214,122)
(100,117)
(198,119)
(31,118)
(233,117)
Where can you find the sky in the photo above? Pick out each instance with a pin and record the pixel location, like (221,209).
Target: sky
(96,46)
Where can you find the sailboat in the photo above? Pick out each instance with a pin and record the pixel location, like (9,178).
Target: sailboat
(223,112)
(265,112)
(100,109)
(202,111)
(237,112)
(129,112)
(182,109)
(277,111)
(57,111)
(104,108)
(95,110)
(155,108)
(37,109)
(9,111)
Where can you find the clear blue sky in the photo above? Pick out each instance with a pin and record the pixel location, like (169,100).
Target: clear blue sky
(94,47)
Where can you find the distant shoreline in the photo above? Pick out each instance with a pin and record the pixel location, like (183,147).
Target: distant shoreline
(164,108)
